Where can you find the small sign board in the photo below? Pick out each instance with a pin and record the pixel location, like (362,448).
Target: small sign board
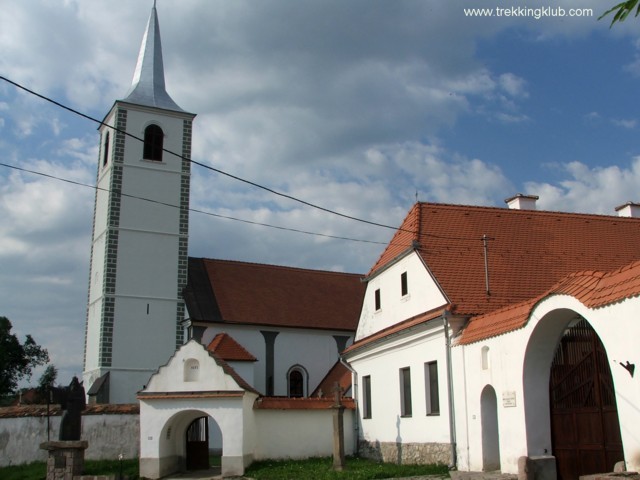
(509,398)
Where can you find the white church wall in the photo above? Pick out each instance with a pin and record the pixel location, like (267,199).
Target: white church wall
(316,351)
(423,295)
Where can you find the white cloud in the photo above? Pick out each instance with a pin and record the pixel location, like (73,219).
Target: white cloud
(589,189)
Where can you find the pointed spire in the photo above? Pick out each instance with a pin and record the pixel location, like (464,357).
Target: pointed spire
(147,87)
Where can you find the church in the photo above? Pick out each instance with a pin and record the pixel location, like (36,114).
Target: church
(483,338)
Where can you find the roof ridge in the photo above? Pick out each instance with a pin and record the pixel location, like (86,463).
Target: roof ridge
(516,211)
(279,267)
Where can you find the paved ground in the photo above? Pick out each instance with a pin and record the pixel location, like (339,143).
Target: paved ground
(214,474)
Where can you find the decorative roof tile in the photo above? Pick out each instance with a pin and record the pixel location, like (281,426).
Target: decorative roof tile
(226,348)
(308,403)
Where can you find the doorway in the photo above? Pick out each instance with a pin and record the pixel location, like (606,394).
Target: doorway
(490,432)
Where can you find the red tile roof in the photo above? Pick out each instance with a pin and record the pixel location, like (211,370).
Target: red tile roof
(338,373)
(249,293)
(226,348)
(528,251)
(54,410)
(593,289)
(285,403)
(397,328)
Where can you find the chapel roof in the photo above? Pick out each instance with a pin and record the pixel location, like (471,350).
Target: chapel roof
(226,348)
(224,291)
(528,251)
(148,86)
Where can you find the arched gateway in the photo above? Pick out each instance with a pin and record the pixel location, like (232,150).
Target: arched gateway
(571,402)
(585,431)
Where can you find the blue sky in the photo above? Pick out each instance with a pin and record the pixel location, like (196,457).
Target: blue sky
(354,105)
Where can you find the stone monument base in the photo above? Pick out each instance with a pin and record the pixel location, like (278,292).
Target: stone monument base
(66,459)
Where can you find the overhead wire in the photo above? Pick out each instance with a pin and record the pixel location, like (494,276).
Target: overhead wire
(234,177)
(195,210)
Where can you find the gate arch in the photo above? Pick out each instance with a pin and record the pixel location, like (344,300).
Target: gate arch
(541,349)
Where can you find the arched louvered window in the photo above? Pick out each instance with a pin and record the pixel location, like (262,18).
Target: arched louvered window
(153,140)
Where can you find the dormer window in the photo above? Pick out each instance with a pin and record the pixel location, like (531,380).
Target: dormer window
(153,143)
(378,301)
(404,285)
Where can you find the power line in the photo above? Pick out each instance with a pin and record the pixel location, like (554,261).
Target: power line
(234,177)
(203,165)
(195,210)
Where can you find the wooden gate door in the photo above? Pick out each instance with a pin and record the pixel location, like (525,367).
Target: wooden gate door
(585,431)
(198,444)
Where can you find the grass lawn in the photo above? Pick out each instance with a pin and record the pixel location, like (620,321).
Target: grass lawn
(321,469)
(312,469)
(38,471)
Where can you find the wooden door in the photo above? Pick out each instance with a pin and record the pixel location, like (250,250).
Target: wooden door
(584,419)
(198,444)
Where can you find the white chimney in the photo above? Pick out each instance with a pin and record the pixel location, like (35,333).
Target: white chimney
(522,202)
(629,209)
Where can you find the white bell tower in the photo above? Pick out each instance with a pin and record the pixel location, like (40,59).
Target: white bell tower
(140,234)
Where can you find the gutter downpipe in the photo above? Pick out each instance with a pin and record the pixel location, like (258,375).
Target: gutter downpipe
(452,415)
(354,388)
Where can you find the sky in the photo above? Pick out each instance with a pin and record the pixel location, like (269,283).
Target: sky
(358,106)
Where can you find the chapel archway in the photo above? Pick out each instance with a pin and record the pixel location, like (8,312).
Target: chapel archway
(490,431)
(186,436)
(565,372)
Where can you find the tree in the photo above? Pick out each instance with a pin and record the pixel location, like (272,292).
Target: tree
(47,380)
(623,11)
(17,360)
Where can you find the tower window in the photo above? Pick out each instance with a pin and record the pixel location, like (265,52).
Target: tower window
(105,149)
(153,142)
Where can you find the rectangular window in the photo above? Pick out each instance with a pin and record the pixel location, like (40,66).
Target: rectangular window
(431,385)
(404,286)
(378,300)
(366,396)
(405,392)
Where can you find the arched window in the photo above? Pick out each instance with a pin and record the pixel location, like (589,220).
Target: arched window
(296,380)
(485,358)
(153,141)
